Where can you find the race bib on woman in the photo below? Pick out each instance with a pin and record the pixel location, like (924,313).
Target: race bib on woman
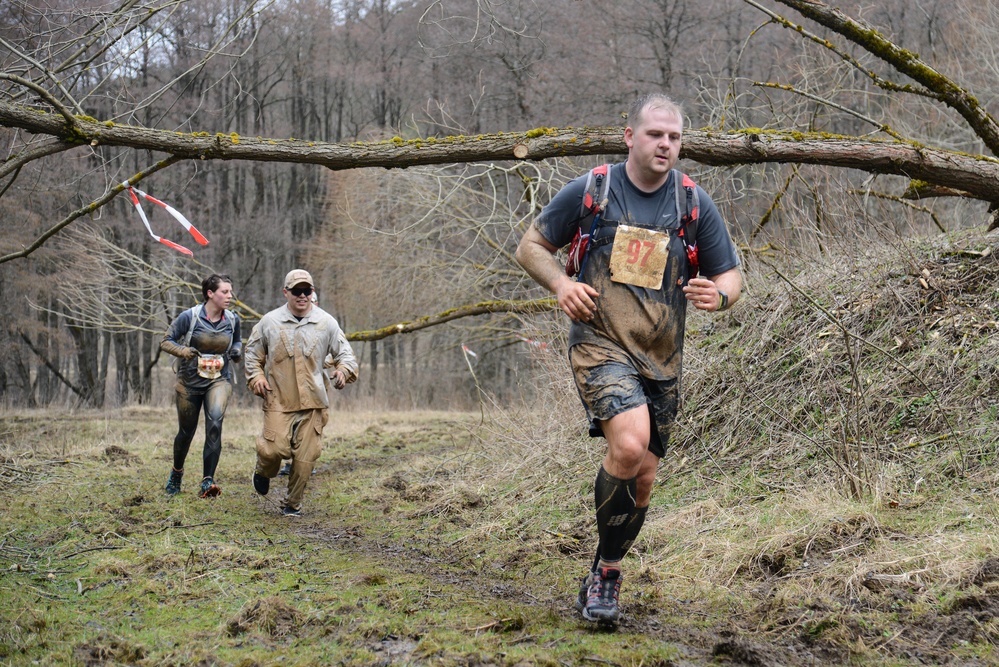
(639,256)
(210,366)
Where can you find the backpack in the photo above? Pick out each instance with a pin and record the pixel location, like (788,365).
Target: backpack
(595,201)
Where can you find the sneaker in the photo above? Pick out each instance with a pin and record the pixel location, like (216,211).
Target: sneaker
(173,484)
(261,484)
(285,470)
(601,596)
(291,511)
(209,489)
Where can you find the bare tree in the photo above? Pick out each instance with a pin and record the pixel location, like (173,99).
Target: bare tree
(205,96)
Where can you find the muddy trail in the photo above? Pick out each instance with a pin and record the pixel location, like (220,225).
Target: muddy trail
(697,632)
(506,575)
(415,548)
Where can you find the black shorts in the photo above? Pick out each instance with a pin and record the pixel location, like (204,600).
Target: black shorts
(609,384)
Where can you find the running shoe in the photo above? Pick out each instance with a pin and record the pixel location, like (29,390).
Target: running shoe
(285,470)
(601,596)
(291,511)
(209,489)
(173,484)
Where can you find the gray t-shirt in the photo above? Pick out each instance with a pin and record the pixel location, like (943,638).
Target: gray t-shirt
(647,323)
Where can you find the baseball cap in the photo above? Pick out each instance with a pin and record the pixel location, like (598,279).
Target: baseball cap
(297,277)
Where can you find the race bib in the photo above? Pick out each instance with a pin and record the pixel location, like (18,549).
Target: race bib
(639,256)
(210,366)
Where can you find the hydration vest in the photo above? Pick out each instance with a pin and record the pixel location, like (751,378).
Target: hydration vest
(595,202)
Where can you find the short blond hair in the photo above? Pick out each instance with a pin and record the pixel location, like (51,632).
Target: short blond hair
(653,101)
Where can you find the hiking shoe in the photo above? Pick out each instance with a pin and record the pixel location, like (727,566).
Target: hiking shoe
(173,484)
(209,489)
(584,587)
(291,511)
(261,484)
(601,596)
(285,469)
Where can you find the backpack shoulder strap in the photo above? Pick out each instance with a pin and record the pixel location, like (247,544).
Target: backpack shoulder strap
(230,317)
(595,192)
(195,314)
(687,206)
(594,201)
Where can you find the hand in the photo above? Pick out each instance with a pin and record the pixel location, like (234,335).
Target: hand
(235,356)
(338,379)
(576,299)
(189,353)
(260,386)
(702,293)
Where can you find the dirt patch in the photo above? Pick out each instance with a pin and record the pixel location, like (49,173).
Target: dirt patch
(271,616)
(116,455)
(987,573)
(393,650)
(745,652)
(104,650)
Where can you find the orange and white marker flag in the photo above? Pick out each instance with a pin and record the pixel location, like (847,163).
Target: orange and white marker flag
(536,343)
(135,193)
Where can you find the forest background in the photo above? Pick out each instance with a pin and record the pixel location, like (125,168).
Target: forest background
(83,313)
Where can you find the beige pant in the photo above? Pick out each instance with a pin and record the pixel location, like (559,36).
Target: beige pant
(296,436)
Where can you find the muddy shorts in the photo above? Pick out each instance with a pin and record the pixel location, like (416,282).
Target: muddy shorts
(609,384)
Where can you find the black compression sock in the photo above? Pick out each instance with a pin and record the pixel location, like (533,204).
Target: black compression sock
(635,523)
(615,502)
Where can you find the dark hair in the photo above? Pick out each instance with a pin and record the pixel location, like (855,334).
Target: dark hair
(212,282)
(652,101)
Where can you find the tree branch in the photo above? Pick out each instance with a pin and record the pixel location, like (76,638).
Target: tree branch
(907,63)
(483,308)
(44,94)
(904,201)
(879,81)
(975,174)
(89,208)
(15,162)
(49,365)
(821,100)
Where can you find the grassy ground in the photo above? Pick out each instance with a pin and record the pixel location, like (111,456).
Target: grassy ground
(829,499)
(407,554)
(389,565)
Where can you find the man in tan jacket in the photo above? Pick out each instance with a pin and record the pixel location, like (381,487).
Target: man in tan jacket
(285,360)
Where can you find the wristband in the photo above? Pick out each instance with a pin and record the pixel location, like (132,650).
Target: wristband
(722,300)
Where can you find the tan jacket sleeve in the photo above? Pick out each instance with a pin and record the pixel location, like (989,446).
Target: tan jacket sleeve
(255,353)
